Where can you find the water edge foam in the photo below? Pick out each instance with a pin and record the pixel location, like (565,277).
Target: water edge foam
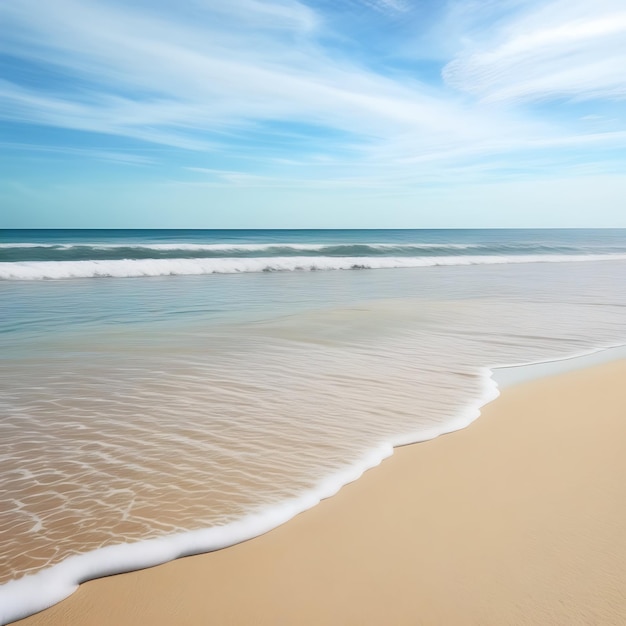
(35,592)
(127,268)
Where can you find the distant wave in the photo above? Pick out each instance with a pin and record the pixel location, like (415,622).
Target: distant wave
(119,268)
(30,252)
(138,251)
(28,245)
(235,246)
(112,251)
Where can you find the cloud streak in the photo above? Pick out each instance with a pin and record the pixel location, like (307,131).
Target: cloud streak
(250,83)
(563,49)
(175,74)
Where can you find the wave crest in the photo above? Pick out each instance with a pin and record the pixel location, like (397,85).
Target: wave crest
(126,268)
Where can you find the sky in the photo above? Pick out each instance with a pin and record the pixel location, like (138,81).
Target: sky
(312,114)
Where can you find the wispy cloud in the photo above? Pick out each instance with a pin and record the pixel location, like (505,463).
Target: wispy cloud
(388,6)
(257,88)
(559,49)
(101,154)
(172,80)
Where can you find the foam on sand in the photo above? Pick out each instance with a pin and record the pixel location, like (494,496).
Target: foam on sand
(33,593)
(30,594)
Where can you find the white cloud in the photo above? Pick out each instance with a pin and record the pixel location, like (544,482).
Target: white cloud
(168,79)
(564,48)
(388,6)
(100,154)
(210,76)
(269,14)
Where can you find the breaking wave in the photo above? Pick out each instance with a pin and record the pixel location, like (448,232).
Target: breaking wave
(122,268)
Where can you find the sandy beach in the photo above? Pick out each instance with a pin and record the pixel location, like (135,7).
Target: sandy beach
(518,519)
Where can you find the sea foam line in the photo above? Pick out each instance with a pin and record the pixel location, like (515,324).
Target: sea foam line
(126,268)
(35,592)
(243,246)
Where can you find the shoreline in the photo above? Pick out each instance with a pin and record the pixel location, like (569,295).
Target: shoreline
(54,584)
(319,543)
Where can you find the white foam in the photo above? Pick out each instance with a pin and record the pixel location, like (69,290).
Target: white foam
(234,247)
(514,374)
(218,247)
(50,270)
(28,245)
(30,594)
(243,246)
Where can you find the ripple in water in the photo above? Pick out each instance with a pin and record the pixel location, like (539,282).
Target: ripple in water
(134,432)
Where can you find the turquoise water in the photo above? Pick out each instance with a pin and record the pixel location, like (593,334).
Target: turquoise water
(165,392)
(73,253)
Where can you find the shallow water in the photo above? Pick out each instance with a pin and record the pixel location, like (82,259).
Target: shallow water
(139,408)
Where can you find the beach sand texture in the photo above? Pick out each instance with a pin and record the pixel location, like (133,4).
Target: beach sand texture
(518,519)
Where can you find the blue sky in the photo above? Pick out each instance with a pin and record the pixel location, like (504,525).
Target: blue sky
(329,114)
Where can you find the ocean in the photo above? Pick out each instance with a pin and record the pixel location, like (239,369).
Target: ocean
(171,392)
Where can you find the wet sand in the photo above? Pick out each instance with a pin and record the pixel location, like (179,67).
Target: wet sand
(518,519)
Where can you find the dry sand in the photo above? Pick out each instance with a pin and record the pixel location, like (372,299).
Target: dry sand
(519,519)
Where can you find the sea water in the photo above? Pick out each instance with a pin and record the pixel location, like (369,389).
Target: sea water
(172,392)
